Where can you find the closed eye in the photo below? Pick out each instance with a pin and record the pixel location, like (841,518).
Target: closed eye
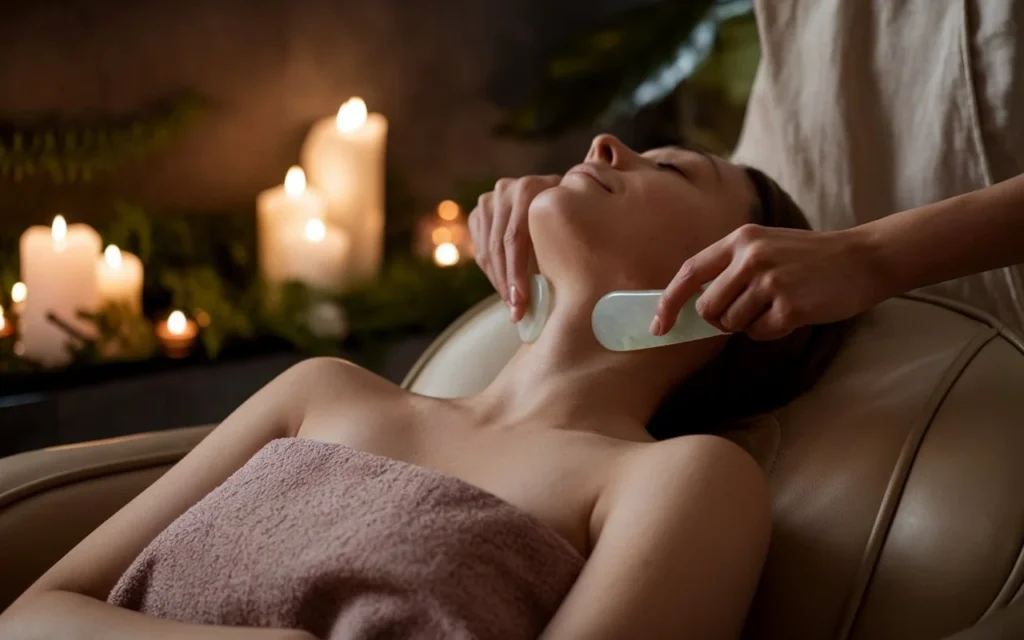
(672,167)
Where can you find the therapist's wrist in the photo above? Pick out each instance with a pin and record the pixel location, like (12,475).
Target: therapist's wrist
(871,250)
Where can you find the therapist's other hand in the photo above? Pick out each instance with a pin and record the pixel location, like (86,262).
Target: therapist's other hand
(768,281)
(501,236)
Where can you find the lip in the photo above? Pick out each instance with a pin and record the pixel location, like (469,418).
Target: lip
(591,172)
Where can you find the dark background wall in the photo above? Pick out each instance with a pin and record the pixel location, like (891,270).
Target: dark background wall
(269,68)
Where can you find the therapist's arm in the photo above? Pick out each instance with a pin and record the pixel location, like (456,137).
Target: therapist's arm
(770,281)
(967,234)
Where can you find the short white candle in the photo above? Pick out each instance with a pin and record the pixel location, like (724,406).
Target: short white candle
(315,255)
(19,292)
(58,266)
(344,156)
(280,211)
(119,277)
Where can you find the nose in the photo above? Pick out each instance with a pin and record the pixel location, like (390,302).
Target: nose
(607,149)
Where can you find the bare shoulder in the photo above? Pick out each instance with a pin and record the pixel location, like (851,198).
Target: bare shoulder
(668,476)
(687,457)
(336,377)
(320,383)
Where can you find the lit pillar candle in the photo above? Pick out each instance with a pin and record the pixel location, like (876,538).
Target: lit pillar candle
(315,255)
(344,156)
(58,266)
(119,278)
(281,211)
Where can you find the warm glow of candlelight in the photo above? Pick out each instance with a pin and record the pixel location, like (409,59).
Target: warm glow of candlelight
(448,210)
(59,232)
(113,256)
(351,115)
(19,292)
(441,235)
(295,182)
(316,230)
(177,323)
(446,254)
(3,321)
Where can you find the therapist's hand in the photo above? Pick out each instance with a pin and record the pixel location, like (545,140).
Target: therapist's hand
(501,237)
(768,281)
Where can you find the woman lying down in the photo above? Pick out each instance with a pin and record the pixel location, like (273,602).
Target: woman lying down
(333,504)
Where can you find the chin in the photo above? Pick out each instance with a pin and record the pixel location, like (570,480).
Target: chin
(561,226)
(565,209)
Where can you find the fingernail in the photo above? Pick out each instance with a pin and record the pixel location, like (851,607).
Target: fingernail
(512,314)
(656,328)
(513,295)
(517,313)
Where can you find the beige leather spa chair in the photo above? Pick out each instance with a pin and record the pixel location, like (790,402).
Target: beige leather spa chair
(898,479)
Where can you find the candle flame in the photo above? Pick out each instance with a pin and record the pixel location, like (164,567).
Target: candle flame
(177,323)
(446,254)
(59,231)
(441,235)
(3,320)
(19,292)
(316,230)
(295,182)
(351,115)
(113,256)
(448,210)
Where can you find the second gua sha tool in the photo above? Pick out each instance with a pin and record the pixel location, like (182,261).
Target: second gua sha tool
(621,320)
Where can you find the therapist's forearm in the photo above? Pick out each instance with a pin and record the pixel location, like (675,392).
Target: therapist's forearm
(72,616)
(971,233)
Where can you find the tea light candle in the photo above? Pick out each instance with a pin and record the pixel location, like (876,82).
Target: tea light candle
(177,334)
(316,255)
(281,211)
(58,265)
(6,326)
(344,156)
(447,226)
(119,277)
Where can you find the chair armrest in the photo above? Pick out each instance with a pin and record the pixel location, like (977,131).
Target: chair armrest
(53,498)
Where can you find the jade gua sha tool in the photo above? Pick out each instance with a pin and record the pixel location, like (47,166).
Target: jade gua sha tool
(621,320)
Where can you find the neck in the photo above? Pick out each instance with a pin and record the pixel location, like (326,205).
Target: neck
(567,380)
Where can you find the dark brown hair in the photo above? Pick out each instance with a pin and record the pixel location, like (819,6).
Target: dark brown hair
(750,377)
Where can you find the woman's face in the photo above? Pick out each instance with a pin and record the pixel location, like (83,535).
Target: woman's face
(623,220)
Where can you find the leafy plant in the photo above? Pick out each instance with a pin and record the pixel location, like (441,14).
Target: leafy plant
(68,150)
(200,290)
(119,334)
(631,61)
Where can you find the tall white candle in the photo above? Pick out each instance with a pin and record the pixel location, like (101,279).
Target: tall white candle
(119,278)
(58,265)
(344,156)
(315,255)
(281,211)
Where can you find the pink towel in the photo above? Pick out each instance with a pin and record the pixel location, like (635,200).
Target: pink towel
(349,544)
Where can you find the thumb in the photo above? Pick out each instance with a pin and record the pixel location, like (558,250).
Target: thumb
(694,273)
